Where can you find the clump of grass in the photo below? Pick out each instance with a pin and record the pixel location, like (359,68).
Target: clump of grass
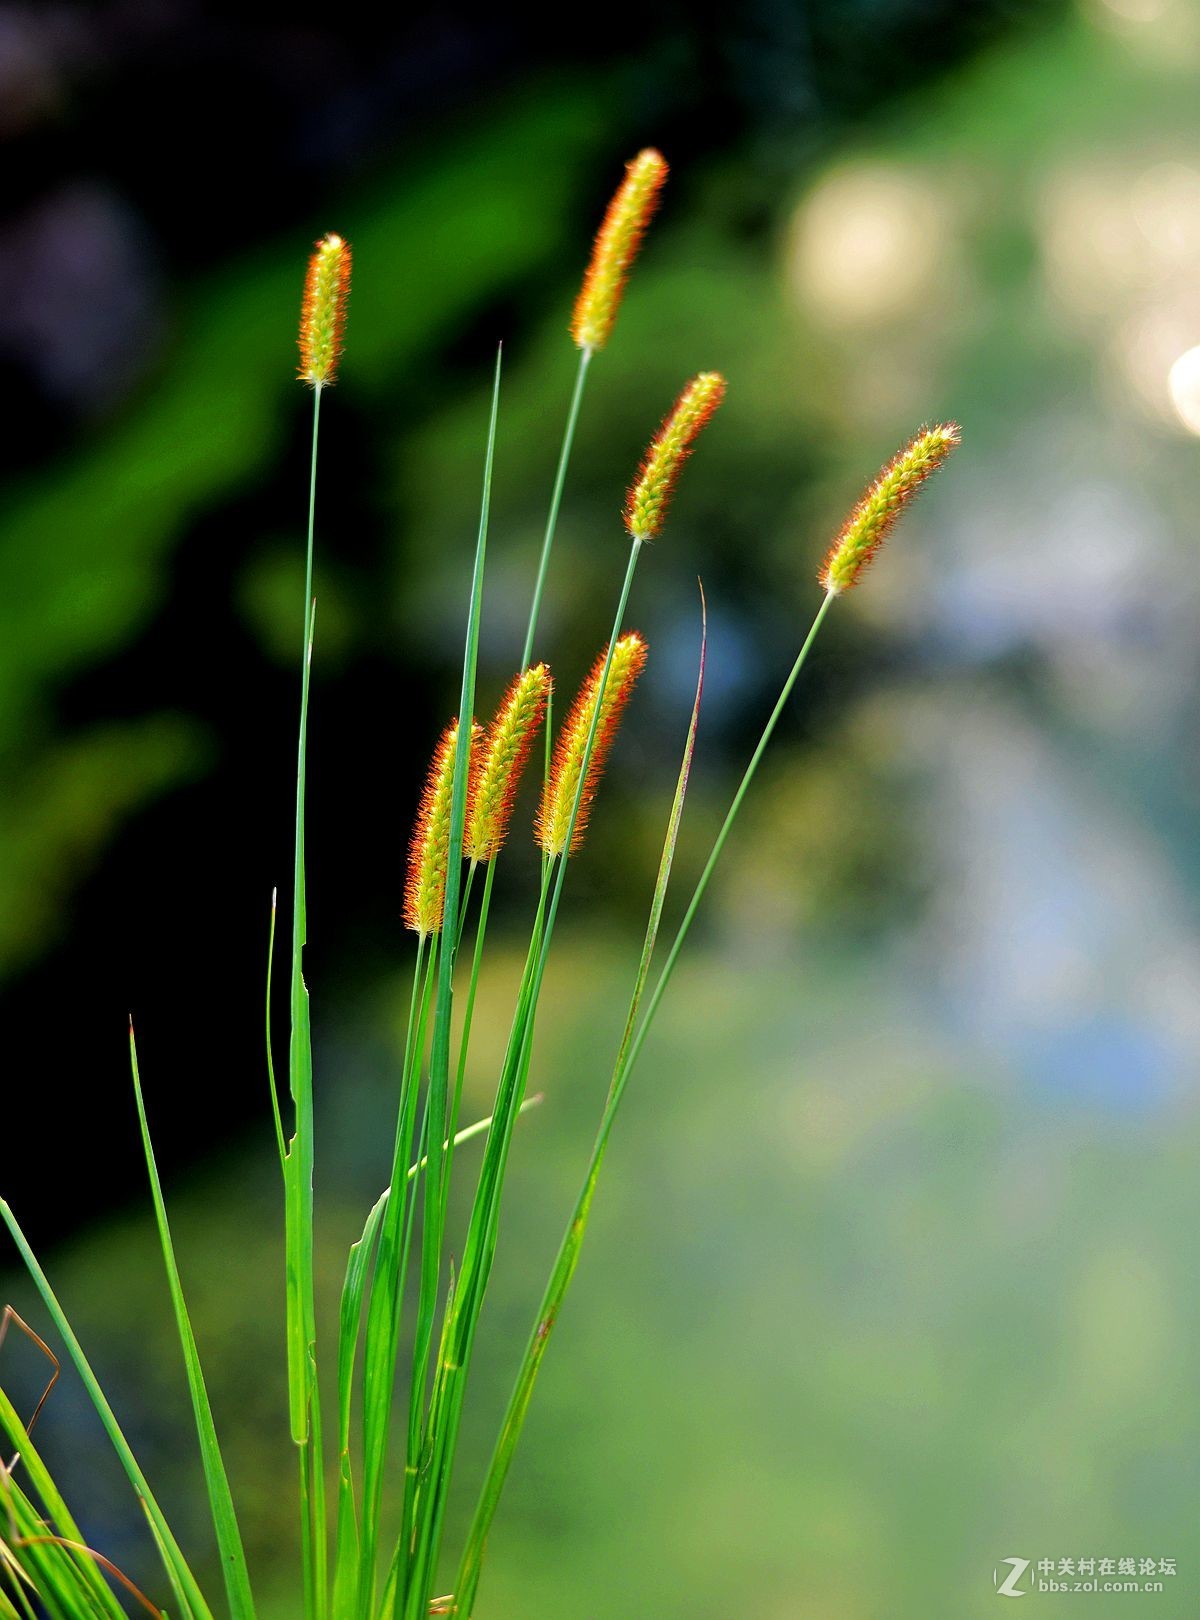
(401,1291)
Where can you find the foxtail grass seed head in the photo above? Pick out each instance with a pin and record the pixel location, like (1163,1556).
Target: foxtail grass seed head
(502,758)
(648,498)
(558,796)
(616,247)
(428,854)
(323,311)
(869,524)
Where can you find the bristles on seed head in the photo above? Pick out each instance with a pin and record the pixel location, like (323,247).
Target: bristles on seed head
(871,521)
(429,851)
(648,498)
(323,311)
(502,758)
(558,796)
(616,247)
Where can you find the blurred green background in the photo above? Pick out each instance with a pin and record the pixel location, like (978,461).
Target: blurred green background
(892,1274)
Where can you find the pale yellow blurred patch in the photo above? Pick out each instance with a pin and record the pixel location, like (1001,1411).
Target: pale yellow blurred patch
(867,244)
(1121,254)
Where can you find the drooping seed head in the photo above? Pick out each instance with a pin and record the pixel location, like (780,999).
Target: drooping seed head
(502,758)
(868,526)
(648,498)
(558,796)
(429,851)
(616,247)
(323,311)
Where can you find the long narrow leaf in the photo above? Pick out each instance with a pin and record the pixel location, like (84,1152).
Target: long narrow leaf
(220,1500)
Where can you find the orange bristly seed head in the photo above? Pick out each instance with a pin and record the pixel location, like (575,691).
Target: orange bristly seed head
(505,750)
(428,854)
(323,311)
(868,525)
(616,247)
(648,499)
(558,796)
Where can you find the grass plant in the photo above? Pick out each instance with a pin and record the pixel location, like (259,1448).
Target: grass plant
(404,1340)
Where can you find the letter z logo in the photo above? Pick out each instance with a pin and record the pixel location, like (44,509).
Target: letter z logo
(1008,1587)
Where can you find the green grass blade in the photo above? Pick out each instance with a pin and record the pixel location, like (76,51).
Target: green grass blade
(173,1558)
(568,1256)
(185,1608)
(357,1266)
(386,1294)
(220,1499)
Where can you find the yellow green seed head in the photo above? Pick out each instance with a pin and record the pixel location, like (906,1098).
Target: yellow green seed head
(323,311)
(616,247)
(502,758)
(558,796)
(648,499)
(869,524)
(429,851)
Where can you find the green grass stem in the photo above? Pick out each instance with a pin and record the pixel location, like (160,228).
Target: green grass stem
(560,479)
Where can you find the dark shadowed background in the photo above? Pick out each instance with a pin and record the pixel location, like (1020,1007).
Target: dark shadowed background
(891,1277)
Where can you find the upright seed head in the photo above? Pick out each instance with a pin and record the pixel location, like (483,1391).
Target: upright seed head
(867,527)
(505,750)
(429,851)
(615,249)
(648,498)
(323,311)
(558,796)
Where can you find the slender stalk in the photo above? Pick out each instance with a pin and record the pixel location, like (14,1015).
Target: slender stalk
(485,906)
(702,882)
(304,1403)
(567,1258)
(560,479)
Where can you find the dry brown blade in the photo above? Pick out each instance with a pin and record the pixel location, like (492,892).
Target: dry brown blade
(11,1315)
(105,1563)
(442,1605)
